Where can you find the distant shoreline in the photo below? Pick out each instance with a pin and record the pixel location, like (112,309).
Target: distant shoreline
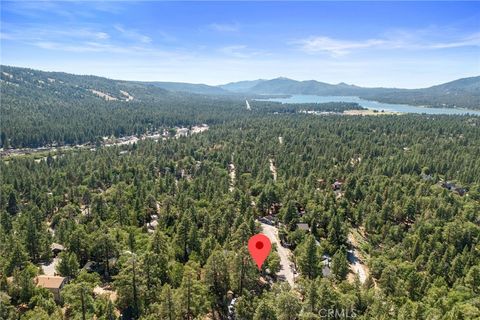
(372,104)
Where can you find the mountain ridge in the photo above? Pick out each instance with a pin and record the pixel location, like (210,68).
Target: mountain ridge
(459,93)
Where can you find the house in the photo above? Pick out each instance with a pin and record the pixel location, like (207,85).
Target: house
(182,132)
(56,248)
(270,219)
(460,191)
(337,185)
(326,261)
(448,185)
(426,177)
(54,284)
(454,188)
(303,226)
(274,208)
(90,266)
(153,225)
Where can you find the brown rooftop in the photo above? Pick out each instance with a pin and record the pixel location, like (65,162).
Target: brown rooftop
(50,282)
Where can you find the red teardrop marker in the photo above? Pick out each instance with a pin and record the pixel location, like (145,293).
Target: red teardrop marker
(259,246)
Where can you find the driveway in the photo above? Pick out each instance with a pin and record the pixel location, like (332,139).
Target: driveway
(50,269)
(286,271)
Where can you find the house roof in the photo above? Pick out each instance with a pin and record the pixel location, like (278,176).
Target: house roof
(153,224)
(303,226)
(326,272)
(89,265)
(57,246)
(50,282)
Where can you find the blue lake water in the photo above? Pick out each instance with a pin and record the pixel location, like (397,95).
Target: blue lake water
(373,105)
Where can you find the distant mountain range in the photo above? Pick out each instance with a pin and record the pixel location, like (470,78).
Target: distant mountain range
(241,86)
(461,93)
(189,87)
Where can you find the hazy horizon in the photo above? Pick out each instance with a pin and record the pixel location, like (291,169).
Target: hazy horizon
(236,81)
(402,45)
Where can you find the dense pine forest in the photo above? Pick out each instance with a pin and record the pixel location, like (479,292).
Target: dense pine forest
(158,229)
(52,108)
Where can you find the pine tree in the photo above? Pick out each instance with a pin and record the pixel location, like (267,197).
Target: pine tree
(340,265)
(217,280)
(12,207)
(308,259)
(68,264)
(288,306)
(264,311)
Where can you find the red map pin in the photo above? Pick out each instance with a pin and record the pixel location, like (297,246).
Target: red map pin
(259,246)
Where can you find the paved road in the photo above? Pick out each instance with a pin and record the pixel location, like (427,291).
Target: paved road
(286,271)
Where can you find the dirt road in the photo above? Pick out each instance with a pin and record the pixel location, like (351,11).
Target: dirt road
(231,172)
(273,169)
(356,263)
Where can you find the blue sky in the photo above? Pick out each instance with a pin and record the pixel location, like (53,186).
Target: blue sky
(395,44)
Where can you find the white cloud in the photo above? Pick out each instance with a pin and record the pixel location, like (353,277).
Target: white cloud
(133,35)
(240,51)
(471,40)
(100,47)
(235,51)
(34,33)
(336,47)
(81,47)
(102,35)
(225,27)
(74,9)
(412,40)
(5,36)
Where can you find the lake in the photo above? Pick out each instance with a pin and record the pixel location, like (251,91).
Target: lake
(373,105)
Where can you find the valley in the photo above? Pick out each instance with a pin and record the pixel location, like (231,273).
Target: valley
(239,160)
(159,194)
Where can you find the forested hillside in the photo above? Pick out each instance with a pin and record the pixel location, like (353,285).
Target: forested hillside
(43,108)
(158,230)
(50,108)
(149,199)
(376,216)
(190,87)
